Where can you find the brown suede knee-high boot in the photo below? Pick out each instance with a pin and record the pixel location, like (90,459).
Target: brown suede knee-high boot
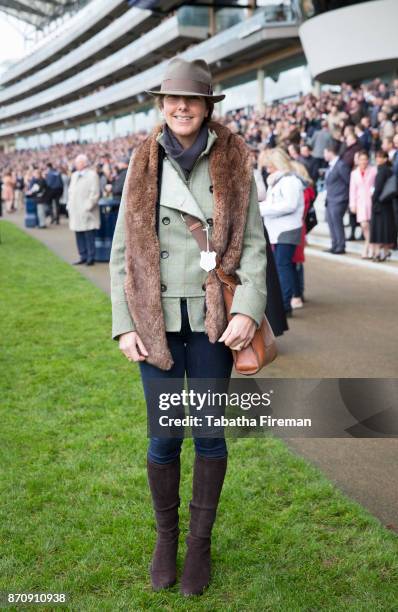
(164,483)
(208,480)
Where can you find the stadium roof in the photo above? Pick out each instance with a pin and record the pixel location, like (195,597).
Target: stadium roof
(158,5)
(39,13)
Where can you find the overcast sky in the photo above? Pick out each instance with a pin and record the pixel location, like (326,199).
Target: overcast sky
(12,42)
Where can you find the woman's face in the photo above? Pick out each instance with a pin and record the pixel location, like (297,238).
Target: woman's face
(363,162)
(271,168)
(184,114)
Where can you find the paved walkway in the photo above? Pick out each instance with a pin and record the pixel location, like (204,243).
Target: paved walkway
(346,330)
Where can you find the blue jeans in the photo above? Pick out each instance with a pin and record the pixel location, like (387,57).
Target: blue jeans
(193,355)
(285,266)
(298,280)
(86,245)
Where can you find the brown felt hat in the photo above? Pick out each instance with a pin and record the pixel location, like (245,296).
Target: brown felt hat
(183,78)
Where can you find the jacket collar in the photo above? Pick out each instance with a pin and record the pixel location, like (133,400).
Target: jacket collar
(178,192)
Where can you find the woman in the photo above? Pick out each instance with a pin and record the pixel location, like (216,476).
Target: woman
(382,225)
(275,312)
(8,192)
(297,300)
(282,211)
(38,190)
(168,313)
(361,188)
(19,191)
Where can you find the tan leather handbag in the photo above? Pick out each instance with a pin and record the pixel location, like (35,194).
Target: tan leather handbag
(262,349)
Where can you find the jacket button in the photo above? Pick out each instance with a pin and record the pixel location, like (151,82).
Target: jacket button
(211,188)
(164,254)
(166,220)
(210,221)
(204,287)
(163,287)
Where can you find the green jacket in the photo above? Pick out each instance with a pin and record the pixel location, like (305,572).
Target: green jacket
(181,274)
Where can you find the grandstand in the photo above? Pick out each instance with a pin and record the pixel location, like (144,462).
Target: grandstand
(103,58)
(105,53)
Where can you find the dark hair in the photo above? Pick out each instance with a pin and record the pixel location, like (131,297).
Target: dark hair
(363,152)
(381,153)
(334,147)
(209,106)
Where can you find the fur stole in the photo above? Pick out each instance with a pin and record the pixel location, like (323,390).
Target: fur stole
(230,170)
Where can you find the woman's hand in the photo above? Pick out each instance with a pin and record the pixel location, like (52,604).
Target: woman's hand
(239,333)
(132,346)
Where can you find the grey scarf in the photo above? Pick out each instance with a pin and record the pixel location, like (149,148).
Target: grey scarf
(186,158)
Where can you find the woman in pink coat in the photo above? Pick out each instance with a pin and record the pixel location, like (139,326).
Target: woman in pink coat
(361,189)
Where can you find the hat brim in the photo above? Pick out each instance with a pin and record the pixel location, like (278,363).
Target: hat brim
(176,92)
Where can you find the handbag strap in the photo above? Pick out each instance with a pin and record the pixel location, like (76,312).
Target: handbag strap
(194,225)
(197,230)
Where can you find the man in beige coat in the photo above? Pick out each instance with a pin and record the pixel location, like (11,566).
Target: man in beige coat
(83,210)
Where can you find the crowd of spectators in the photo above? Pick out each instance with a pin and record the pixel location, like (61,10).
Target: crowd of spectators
(362,121)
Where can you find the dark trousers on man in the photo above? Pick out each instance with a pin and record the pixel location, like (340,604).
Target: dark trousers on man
(334,216)
(54,204)
(86,245)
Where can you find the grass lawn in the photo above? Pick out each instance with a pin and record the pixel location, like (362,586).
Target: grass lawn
(75,510)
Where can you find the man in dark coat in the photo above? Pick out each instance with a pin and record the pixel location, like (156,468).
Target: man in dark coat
(319,141)
(337,182)
(117,185)
(350,147)
(55,189)
(309,162)
(365,137)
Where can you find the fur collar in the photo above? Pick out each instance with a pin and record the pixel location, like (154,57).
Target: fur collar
(230,171)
